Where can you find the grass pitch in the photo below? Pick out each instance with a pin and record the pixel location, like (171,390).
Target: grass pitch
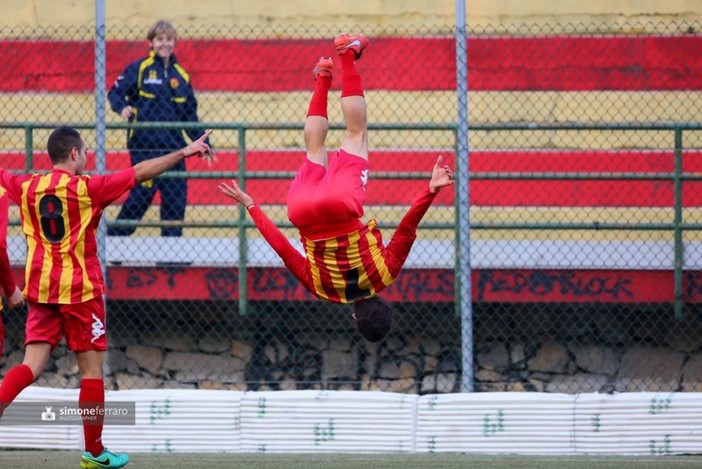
(12,459)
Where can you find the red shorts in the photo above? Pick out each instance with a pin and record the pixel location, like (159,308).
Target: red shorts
(325,202)
(83,324)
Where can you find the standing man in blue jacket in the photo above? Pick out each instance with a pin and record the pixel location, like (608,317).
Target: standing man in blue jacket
(155,89)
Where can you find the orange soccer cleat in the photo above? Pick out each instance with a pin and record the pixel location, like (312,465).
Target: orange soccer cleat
(347,42)
(323,68)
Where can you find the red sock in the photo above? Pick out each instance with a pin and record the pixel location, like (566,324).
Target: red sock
(318,103)
(18,378)
(92,396)
(351,84)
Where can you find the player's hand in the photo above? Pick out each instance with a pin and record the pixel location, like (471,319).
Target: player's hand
(200,148)
(15,299)
(127,112)
(233,191)
(441,176)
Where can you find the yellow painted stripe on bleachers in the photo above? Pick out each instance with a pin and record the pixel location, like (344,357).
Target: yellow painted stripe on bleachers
(409,107)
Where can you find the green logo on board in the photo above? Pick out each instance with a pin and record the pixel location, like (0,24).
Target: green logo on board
(660,449)
(658,405)
(158,411)
(261,407)
(323,432)
(492,424)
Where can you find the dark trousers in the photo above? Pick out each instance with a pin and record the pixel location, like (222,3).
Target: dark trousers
(174,194)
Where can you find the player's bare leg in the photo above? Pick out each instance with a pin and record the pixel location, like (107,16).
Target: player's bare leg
(36,356)
(353,102)
(17,378)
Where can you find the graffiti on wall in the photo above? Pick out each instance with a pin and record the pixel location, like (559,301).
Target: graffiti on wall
(414,285)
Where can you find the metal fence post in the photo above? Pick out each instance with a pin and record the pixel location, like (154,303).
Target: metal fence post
(463,272)
(100,129)
(677,221)
(243,241)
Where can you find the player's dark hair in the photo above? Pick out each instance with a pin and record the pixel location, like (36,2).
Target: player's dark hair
(373,318)
(60,143)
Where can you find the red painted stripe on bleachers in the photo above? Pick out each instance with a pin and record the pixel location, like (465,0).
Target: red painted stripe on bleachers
(418,285)
(643,63)
(563,193)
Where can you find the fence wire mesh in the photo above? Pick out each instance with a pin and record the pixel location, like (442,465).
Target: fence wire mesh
(579,212)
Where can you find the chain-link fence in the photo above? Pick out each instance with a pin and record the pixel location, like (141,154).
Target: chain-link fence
(584,214)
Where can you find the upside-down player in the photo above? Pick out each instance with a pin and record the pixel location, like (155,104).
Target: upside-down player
(346,261)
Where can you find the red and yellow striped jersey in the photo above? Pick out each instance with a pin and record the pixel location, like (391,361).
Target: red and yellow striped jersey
(349,267)
(60,213)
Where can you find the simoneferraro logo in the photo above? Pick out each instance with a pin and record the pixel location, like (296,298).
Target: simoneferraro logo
(69,413)
(48,415)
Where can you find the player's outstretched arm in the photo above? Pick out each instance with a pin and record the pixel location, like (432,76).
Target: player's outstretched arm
(293,260)
(235,192)
(401,242)
(441,176)
(149,169)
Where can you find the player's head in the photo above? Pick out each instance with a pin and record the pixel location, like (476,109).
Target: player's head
(373,318)
(162,36)
(66,146)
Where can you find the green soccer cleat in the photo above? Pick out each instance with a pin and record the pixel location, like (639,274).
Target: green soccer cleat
(106,459)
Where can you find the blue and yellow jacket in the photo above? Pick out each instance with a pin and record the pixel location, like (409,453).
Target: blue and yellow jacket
(156,93)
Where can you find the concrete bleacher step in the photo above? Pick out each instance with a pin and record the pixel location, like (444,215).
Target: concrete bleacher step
(425,254)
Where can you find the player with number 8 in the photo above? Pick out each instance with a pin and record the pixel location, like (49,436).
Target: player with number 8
(64,285)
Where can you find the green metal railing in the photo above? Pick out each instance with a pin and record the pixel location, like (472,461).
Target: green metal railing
(677,176)
(677,225)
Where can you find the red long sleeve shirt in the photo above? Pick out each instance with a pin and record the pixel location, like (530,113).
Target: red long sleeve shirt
(7,280)
(350,267)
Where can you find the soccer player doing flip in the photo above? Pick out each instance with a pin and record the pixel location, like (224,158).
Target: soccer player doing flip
(345,260)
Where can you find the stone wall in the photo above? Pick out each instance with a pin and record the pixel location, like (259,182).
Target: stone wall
(517,348)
